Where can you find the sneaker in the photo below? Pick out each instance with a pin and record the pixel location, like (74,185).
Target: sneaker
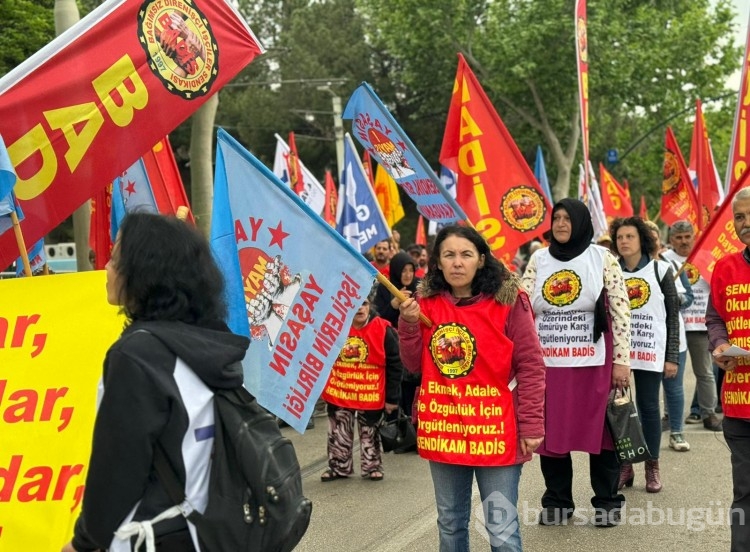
(677,442)
(665,423)
(693,419)
(712,422)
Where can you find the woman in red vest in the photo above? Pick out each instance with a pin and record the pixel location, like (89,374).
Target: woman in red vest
(481,401)
(364,381)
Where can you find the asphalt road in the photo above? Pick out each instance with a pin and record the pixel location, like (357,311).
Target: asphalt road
(398,513)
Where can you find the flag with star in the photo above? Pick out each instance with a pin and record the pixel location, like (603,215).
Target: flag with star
(293,283)
(131,191)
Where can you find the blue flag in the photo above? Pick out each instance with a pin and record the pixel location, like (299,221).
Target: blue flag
(7,172)
(361,222)
(37,259)
(8,205)
(293,283)
(131,191)
(380,134)
(540,172)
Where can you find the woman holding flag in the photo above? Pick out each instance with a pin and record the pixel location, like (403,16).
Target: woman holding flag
(481,399)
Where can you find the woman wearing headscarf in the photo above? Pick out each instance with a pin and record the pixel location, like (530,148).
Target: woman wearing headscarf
(583,322)
(402,276)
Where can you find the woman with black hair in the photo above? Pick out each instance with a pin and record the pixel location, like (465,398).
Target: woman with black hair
(157,386)
(655,335)
(583,322)
(481,397)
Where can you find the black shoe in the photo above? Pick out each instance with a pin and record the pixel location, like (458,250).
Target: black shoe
(712,423)
(555,516)
(606,518)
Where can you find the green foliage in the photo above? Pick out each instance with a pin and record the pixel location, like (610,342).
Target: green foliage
(26,26)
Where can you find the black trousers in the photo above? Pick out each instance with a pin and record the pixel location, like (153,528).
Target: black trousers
(737,436)
(175,542)
(604,472)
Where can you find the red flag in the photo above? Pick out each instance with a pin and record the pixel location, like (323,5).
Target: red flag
(701,161)
(296,180)
(100,229)
(367,164)
(718,238)
(420,238)
(86,106)
(678,200)
(164,177)
(495,186)
(643,212)
(615,199)
(582,57)
(739,152)
(332,198)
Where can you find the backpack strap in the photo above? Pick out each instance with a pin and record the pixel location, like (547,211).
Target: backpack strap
(167,476)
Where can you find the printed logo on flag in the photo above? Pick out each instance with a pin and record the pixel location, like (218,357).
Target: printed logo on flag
(390,154)
(355,350)
(270,289)
(583,48)
(454,350)
(638,292)
(179,44)
(562,288)
(693,274)
(523,208)
(672,174)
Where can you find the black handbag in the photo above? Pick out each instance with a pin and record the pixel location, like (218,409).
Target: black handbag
(398,434)
(625,427)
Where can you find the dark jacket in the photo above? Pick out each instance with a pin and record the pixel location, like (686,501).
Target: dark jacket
(141,406)
(382,301)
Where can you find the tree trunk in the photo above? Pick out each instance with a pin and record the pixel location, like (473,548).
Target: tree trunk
(66,15)
(201,163)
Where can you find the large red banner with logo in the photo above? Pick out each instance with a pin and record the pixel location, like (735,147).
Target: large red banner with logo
(719,237)
(85,107)
(739,151)
(495,186)
(678,199)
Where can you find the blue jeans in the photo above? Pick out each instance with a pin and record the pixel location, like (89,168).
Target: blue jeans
(647,386)
(674,396)
(498,488)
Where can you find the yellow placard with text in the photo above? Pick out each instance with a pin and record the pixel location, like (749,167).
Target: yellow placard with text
(54,333)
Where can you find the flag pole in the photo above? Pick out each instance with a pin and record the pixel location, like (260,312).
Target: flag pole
(21,243)
(401,297)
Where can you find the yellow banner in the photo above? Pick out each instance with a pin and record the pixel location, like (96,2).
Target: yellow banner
(54,333)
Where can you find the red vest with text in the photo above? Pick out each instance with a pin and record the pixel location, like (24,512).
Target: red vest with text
(730,295)
(357,378)
(465,409)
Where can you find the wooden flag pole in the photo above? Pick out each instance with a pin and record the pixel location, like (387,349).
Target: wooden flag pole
(182,212)
(401,297)
(21,244)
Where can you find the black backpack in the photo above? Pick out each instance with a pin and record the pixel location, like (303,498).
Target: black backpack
(255,500)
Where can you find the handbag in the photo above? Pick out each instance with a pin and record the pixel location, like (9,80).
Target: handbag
(625,427)
(398,434)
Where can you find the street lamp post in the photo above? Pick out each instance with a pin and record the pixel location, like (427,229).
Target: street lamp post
(338,126)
